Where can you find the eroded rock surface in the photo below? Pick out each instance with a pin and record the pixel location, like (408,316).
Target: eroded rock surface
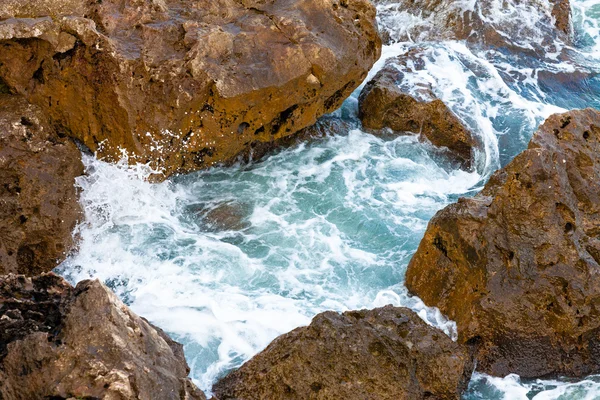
(327,125)
(185,84)
(517,266)
(385,353)
(38,200)
(385,103)
(57,341)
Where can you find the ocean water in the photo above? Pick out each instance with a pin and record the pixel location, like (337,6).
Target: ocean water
(225,260)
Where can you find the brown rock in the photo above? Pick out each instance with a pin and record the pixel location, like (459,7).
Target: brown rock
(385,353)
(325,126)
(520,25)
(384,104)
(61,342)
(53,8)
(561,11)
(517,266)
(38,198)
(224,216)
(186,84)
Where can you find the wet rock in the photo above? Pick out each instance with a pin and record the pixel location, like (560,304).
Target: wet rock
(385,103)
(183,84)
(63,342)
(325,126)
(518,25)
(38,200)
(385,353)
(561,11)
(226,216)
(517,265)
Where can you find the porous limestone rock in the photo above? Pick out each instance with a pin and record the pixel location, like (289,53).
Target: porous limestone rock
(380,354)
(38,199)
(61,342)
(185,84)
(385,102)
(518,265)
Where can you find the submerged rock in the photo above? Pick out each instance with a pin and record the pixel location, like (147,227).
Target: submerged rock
(385,353)
(63,342)
(384,103)
(38,200)
(184,84)
(517,266)
(224,216)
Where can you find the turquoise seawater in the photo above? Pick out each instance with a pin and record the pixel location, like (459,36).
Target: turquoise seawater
(225,260)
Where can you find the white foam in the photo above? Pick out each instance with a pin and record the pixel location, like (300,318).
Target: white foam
(512,387)
(324,227)
(586,17)
(522,24)
(330,225)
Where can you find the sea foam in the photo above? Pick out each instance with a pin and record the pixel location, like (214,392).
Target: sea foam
(227,259)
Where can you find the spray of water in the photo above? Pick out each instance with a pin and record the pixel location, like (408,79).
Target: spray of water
(226,260)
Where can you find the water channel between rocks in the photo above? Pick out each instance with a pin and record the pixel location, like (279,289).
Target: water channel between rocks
(227,259)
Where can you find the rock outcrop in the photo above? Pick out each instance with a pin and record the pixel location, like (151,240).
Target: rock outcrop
(38,200)
(517,266)
(184,84)
(384,103)
(520,25)
(61,342)
(385,353)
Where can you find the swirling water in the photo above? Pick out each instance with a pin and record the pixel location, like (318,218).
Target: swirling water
(225,260)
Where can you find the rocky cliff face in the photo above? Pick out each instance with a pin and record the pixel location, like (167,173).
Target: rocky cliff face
(185,84)
(385,353)
(38,198)
(517,265)
(61,342)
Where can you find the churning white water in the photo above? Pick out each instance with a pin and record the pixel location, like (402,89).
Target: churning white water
(228,259)
(225,260)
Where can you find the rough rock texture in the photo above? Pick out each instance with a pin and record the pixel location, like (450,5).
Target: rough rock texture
(184,84)
(385,353)
(383,103)
(520,25)
(59,342)
(517,266)
(38,198)
(326,125)
(561,11)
